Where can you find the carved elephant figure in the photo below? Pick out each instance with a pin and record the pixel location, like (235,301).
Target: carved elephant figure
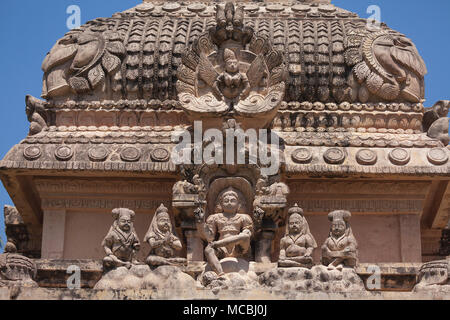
(392,69)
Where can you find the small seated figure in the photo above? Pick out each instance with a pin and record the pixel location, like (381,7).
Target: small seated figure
(121,244)
(340,248)
(163,241)
(228,232)
(298,244)
(232,83)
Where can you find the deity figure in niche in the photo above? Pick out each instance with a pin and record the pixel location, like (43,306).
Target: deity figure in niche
(121,244)
(340,249)
(163,241)
(228,232)
(298,244)
(232,83)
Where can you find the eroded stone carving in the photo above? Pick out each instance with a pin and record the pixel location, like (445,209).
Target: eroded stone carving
(80,62)
(163,241)
(298,243)
(434,276)
(121,243)
(36,114)
(391,68)
(436,122)
(17,270)
(340,249)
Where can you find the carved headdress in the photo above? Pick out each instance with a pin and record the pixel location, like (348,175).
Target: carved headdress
(297,211)
(154,231)
(229,55)
(341,215)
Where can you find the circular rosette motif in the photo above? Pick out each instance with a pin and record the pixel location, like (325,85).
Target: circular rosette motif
(64,153)
(366,157)
(98,154)
(437,156)
(32,153)
(302,155)
(160,155)
(334,156)
(399,156)
(130,154)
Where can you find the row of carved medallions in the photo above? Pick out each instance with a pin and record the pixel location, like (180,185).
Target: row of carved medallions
(329,120)
(343,138)
(367,157)
(177,9)
(98,153)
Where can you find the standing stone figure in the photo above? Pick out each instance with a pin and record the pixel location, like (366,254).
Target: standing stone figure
(121,243)
(340,248)
(228,232)
(162,240)
(298,244)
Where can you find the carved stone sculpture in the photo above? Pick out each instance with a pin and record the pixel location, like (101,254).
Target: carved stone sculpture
(298,243)
(434,276)
(340,248)
(436,122)
(88,57)
(36,114)
(163,241)
(230,69)
(121,243)
(227,232)
(391,68)
(16,269)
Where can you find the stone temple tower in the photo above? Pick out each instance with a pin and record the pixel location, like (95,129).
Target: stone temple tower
(343,105)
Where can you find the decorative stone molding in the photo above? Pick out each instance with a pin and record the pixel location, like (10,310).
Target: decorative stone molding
(334,156)
(130,154)
(64,153)
(366,157)
(98,153)
(302,155)
(399,156)
(438,156)
(160,155)
(32,153)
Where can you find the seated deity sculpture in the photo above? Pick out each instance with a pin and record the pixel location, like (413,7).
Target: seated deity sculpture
(232,83)
(121,244)
(340,248)
(162,240)
(298,244)
(228,232)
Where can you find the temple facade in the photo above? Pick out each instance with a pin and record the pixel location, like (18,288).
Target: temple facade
(216,145)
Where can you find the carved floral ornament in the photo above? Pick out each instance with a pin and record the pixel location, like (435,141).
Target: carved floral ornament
(231,69)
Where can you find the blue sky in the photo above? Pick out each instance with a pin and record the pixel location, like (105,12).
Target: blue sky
(29,28)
